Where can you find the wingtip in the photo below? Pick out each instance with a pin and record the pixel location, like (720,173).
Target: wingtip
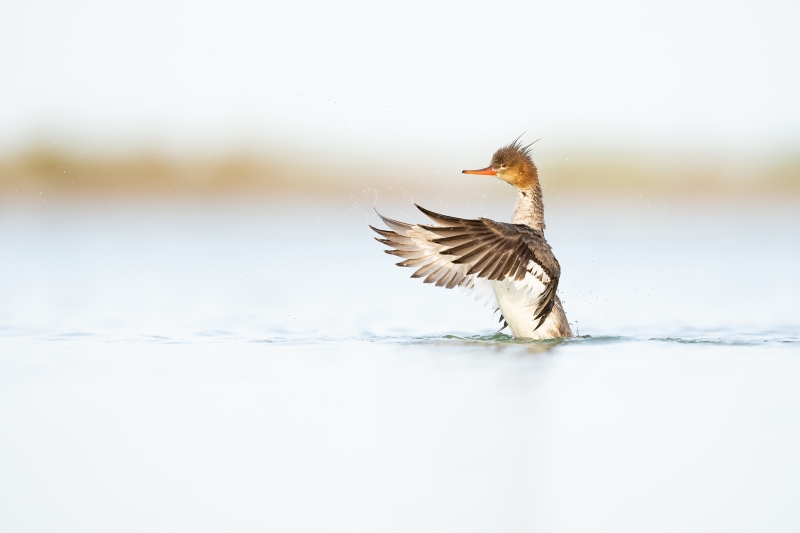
(439,218)
(427,212)
(393,224)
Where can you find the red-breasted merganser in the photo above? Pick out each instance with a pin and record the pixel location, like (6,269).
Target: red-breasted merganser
(512,260)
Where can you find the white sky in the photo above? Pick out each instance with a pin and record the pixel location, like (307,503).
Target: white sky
(425,76)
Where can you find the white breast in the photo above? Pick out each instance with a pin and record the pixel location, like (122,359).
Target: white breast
(518,301)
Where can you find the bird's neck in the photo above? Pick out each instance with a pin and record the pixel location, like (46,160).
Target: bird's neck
(529,209)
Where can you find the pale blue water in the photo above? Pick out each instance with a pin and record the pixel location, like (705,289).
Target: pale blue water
(193,366)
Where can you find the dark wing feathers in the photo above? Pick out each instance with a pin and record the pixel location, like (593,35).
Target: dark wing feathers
(456,251)
(444,219)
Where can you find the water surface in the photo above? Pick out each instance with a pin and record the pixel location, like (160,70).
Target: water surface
(194,366)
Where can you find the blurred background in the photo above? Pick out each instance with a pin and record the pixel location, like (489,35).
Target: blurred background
(267,98)
(198,333)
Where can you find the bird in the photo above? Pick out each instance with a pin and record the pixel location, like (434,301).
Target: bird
(511,264)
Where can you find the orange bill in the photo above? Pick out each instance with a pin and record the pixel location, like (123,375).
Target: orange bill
(488,171)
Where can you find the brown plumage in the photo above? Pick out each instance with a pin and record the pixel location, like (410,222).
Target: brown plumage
(513,260)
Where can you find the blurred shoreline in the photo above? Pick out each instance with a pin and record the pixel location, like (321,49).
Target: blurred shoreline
(39,171)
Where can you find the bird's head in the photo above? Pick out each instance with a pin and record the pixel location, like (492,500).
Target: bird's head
(512,164)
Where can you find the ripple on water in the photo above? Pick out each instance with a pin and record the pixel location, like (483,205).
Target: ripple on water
(495,340)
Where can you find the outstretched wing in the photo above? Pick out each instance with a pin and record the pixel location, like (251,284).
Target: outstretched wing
(457,252)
